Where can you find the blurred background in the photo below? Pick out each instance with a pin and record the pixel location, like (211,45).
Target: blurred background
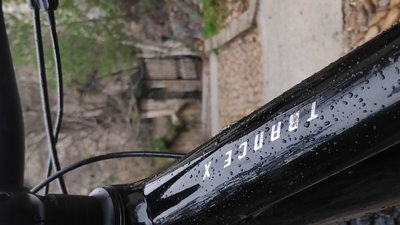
(167,75)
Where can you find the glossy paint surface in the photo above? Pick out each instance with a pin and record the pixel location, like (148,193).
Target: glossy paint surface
(344,114)
(369,186)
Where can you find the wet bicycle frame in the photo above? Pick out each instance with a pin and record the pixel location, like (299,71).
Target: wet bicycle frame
(325,151)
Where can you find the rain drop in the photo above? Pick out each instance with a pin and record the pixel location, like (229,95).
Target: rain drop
(381,76)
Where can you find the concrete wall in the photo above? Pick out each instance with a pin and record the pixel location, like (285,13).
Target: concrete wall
(298,39)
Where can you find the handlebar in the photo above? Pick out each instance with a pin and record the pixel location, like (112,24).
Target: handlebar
(24,208)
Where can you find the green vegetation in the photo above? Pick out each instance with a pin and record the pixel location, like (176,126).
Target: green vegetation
(217,12)
(162,144)
(93,39)
(210,15)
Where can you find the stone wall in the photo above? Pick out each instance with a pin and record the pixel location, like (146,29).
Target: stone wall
(240,79)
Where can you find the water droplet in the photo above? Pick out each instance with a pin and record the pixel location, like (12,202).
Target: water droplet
(381,76)
(344,102)
(231,173)
(284,141)
(397,70)
(327,123)
(350,95)
(306,124)
(360,100)
(332,107)
(366,82)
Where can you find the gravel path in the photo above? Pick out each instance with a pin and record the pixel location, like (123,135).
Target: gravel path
(364,19)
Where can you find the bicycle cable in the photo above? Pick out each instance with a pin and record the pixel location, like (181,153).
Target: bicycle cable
(60,91)
(44,95)
(102,158)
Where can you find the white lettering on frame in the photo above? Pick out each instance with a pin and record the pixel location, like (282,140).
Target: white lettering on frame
(229,159)
(244,145)
(276,131)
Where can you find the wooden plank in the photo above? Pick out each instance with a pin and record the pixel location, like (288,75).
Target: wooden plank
(176,85)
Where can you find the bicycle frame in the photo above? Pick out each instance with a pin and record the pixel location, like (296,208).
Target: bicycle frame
(313,154)
(332,121)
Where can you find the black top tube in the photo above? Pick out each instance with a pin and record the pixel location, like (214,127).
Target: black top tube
(342,115)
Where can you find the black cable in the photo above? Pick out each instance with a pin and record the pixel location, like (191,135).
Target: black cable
(48,174)
(45,99)
(57,59)
(101,158)
(60,96)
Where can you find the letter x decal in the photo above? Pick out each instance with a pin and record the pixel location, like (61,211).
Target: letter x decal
(207,173)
